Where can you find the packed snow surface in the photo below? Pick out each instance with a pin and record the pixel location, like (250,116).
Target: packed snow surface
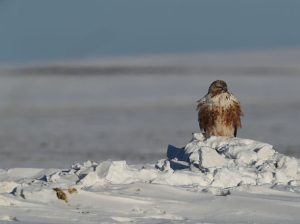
(258,185)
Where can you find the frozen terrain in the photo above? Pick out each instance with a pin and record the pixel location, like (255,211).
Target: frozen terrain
(215,180)
(54,114)
(120,115)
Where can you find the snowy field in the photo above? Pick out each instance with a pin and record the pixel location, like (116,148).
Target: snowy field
(53,116)
(132,108)
(217,180)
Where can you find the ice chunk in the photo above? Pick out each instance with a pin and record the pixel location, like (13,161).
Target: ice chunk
(210,158)
(281,177)
(226,178)
(288,165)
(118,172)
(265,177)
(246,158)
(265,153)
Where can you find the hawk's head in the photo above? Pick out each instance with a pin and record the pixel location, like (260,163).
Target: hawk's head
(217,87)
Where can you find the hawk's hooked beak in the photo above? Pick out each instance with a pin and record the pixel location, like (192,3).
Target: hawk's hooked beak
(223,88)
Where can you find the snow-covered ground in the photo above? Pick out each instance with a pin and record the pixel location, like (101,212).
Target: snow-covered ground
(128,111)
(215,180)
(52,115)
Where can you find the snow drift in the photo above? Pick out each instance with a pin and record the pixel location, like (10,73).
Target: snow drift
(230,162)
(165,190)
(216,162)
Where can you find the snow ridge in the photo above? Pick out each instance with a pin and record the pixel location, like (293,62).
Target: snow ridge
(213,163)
(232,162)
(172,189)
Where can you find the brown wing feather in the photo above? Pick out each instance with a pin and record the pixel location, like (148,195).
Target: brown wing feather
(206,117)
(233,115)
(203,116)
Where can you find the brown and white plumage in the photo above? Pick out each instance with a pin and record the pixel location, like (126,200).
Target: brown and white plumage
(219,111)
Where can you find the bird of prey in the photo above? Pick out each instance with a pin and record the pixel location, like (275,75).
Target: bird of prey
(219,111)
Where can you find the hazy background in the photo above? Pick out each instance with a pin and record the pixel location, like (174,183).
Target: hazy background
(119,79)
(42,30)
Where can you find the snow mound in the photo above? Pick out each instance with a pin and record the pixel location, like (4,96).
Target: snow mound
(214,164)
(231,162)
(161,192)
